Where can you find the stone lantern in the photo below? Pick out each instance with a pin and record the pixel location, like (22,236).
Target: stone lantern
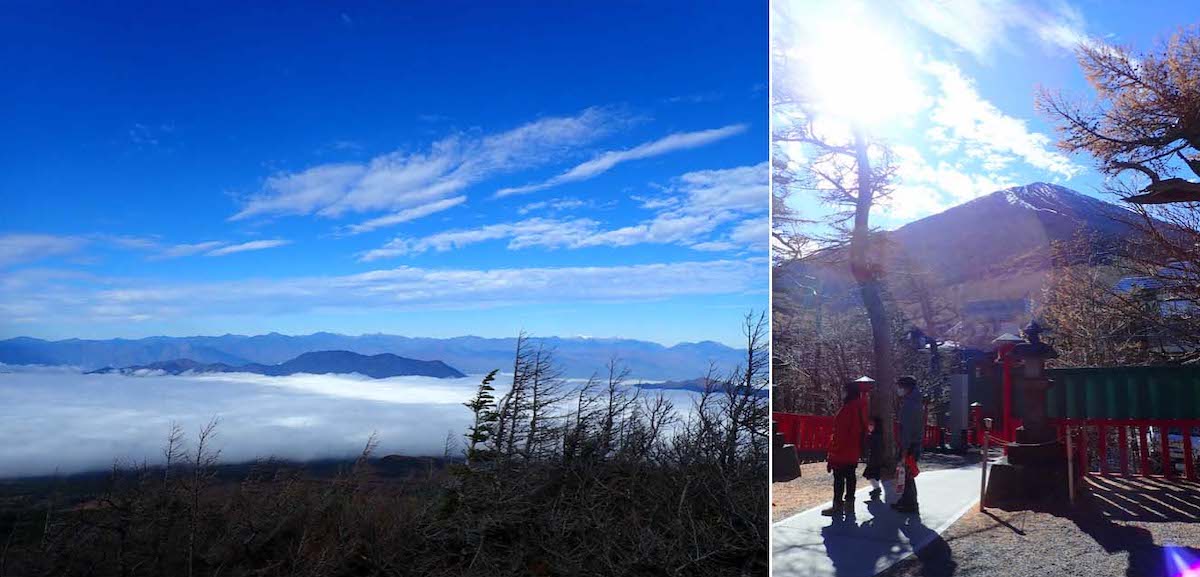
(1033,353)
(1034,465)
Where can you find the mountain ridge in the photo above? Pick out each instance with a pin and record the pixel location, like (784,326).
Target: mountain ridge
(580,357)
(379,366)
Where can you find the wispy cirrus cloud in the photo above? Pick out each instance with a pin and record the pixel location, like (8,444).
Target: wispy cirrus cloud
(402,179)
(607,160)
(981,26)
(215,248)
(116,300)
(685,213)
(556,205)
(533,232)
(406,215)
(182,250)
(23,248)
(697,204)
(247,246)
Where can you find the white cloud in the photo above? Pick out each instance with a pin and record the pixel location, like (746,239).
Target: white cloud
(247,246)
(923,188)
(687,212)
(697,204)
(21,248)
(52,299)
(180,250)
(407,215)
(543,232)
(400,179)
(556,205)
(299,417)
(980,26)
(965,120)
(607,160)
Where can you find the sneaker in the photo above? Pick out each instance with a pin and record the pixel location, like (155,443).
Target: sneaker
(875,493)
(834,510)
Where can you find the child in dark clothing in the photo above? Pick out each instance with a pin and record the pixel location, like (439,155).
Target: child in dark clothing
(874,456)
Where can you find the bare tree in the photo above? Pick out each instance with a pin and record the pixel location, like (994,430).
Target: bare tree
(616,401)
(545,393)
(848,171)
(202,462)
(510,418)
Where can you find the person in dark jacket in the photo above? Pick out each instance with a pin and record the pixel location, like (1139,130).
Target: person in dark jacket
(874,456)
(845,449)
(912,430)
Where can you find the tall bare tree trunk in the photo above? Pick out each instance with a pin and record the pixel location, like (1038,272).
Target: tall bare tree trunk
(884,396)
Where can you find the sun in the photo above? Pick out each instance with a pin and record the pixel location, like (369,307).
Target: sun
(856,69)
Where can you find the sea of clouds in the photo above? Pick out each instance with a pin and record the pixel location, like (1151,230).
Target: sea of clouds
(58,420)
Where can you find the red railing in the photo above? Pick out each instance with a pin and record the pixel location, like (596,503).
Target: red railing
(809,433)
(1142,430)
(933,437)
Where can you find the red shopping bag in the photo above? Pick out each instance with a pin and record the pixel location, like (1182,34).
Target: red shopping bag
(910,465)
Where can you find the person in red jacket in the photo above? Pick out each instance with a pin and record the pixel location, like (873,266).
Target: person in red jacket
(845,448)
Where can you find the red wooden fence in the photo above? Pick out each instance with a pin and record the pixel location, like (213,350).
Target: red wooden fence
(1163,447)
(809,433)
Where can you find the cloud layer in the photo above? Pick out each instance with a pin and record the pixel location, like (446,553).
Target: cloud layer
(607,160)
(56,420)
(33,297)
(69,422)
(400,180)
(23,248)
(686,213)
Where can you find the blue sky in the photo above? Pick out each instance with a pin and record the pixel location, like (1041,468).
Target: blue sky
(951,85)
(431,169)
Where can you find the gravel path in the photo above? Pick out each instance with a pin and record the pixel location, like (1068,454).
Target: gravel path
(1126,527)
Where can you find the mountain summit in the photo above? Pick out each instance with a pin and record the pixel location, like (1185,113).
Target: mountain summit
(996,250)
(1009,231)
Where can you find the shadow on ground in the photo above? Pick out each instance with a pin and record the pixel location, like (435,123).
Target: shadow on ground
(1111,500)
(875,539)
(1110,509)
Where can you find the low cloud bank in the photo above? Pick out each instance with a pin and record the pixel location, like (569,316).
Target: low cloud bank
(70,422)
(58,420)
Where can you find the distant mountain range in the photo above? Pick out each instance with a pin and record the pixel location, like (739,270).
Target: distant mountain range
(579,357)
(691,385)
(379,366)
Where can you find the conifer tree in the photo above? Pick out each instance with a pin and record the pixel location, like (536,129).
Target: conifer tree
(482,407)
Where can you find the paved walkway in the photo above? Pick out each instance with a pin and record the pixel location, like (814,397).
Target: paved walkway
(875,537)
